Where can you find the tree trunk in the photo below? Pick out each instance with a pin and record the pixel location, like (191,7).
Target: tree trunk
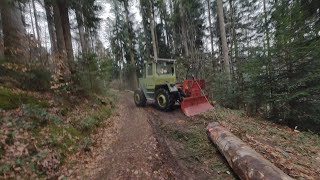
(14,33)
(131,48)
(1,37)
(269,63)
(83,42)
(153,35)
(184,30)
(173,39)
(234,44)
(266,27)
(36,22)
(31,20)
(62,65)
(52,34)
(223,38)
(145,16)
(211,34)
(22,15)
(64,15)
(245,162)
(39,50)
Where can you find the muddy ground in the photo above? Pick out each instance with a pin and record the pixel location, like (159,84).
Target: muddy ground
(144,143)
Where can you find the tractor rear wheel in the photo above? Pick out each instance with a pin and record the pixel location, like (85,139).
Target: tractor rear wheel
(139,98)
(164,100)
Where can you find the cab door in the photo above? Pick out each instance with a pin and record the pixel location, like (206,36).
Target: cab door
(150,78)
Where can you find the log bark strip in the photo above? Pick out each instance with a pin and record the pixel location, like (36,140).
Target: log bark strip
(245,162)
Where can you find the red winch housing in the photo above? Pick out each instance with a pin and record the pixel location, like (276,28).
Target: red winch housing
(196,101)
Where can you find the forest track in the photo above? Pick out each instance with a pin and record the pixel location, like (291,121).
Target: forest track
(140,143)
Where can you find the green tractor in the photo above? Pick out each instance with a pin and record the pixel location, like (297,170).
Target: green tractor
(159,85)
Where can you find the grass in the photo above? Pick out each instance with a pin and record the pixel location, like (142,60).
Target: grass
(197,148)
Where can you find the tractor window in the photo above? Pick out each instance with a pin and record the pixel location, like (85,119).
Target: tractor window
(165,68)
(149,69)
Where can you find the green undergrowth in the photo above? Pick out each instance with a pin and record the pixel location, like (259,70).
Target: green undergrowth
(241,125)
(196,143)
(197,148)
(43,136)
(11,100)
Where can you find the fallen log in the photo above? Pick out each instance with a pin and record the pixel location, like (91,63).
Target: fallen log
(245,162)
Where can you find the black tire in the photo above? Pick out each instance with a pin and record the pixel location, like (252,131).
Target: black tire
(139,98)
(164,100)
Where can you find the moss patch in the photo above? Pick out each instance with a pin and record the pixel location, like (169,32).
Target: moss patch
(11,100)
(64,138)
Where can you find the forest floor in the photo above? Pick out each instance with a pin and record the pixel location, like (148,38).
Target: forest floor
(85,142)
(40,130)
(144,143)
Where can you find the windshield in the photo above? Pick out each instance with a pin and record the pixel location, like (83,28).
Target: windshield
(165,68)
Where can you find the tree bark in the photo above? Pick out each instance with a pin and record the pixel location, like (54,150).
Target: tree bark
(234,44)
(211,34)
(131,48)
(52,34)
(173,38)
(31,19)
(245,162)
(14,33)
(184,30)
(65,23)
(36,22)
(22,15)
(61,64)
(266,27)
(145,15)
(59,31)
(153,35)
(223,38)
(79,17)
(1,37)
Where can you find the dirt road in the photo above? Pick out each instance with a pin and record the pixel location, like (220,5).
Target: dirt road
(143,143)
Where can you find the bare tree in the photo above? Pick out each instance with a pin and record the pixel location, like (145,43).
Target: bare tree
(65,23)
(153,35)
(81,29)
(36,22)
(223,38)
(184,29)
(1,37)
(131,48)
(52,34)
(210,26)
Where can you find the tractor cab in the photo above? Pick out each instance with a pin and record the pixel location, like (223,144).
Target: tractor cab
(159,73)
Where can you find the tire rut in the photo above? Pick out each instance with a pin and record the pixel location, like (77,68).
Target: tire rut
(140,151)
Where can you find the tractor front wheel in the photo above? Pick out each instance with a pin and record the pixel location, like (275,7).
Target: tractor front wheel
(139,98)
(164,100)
